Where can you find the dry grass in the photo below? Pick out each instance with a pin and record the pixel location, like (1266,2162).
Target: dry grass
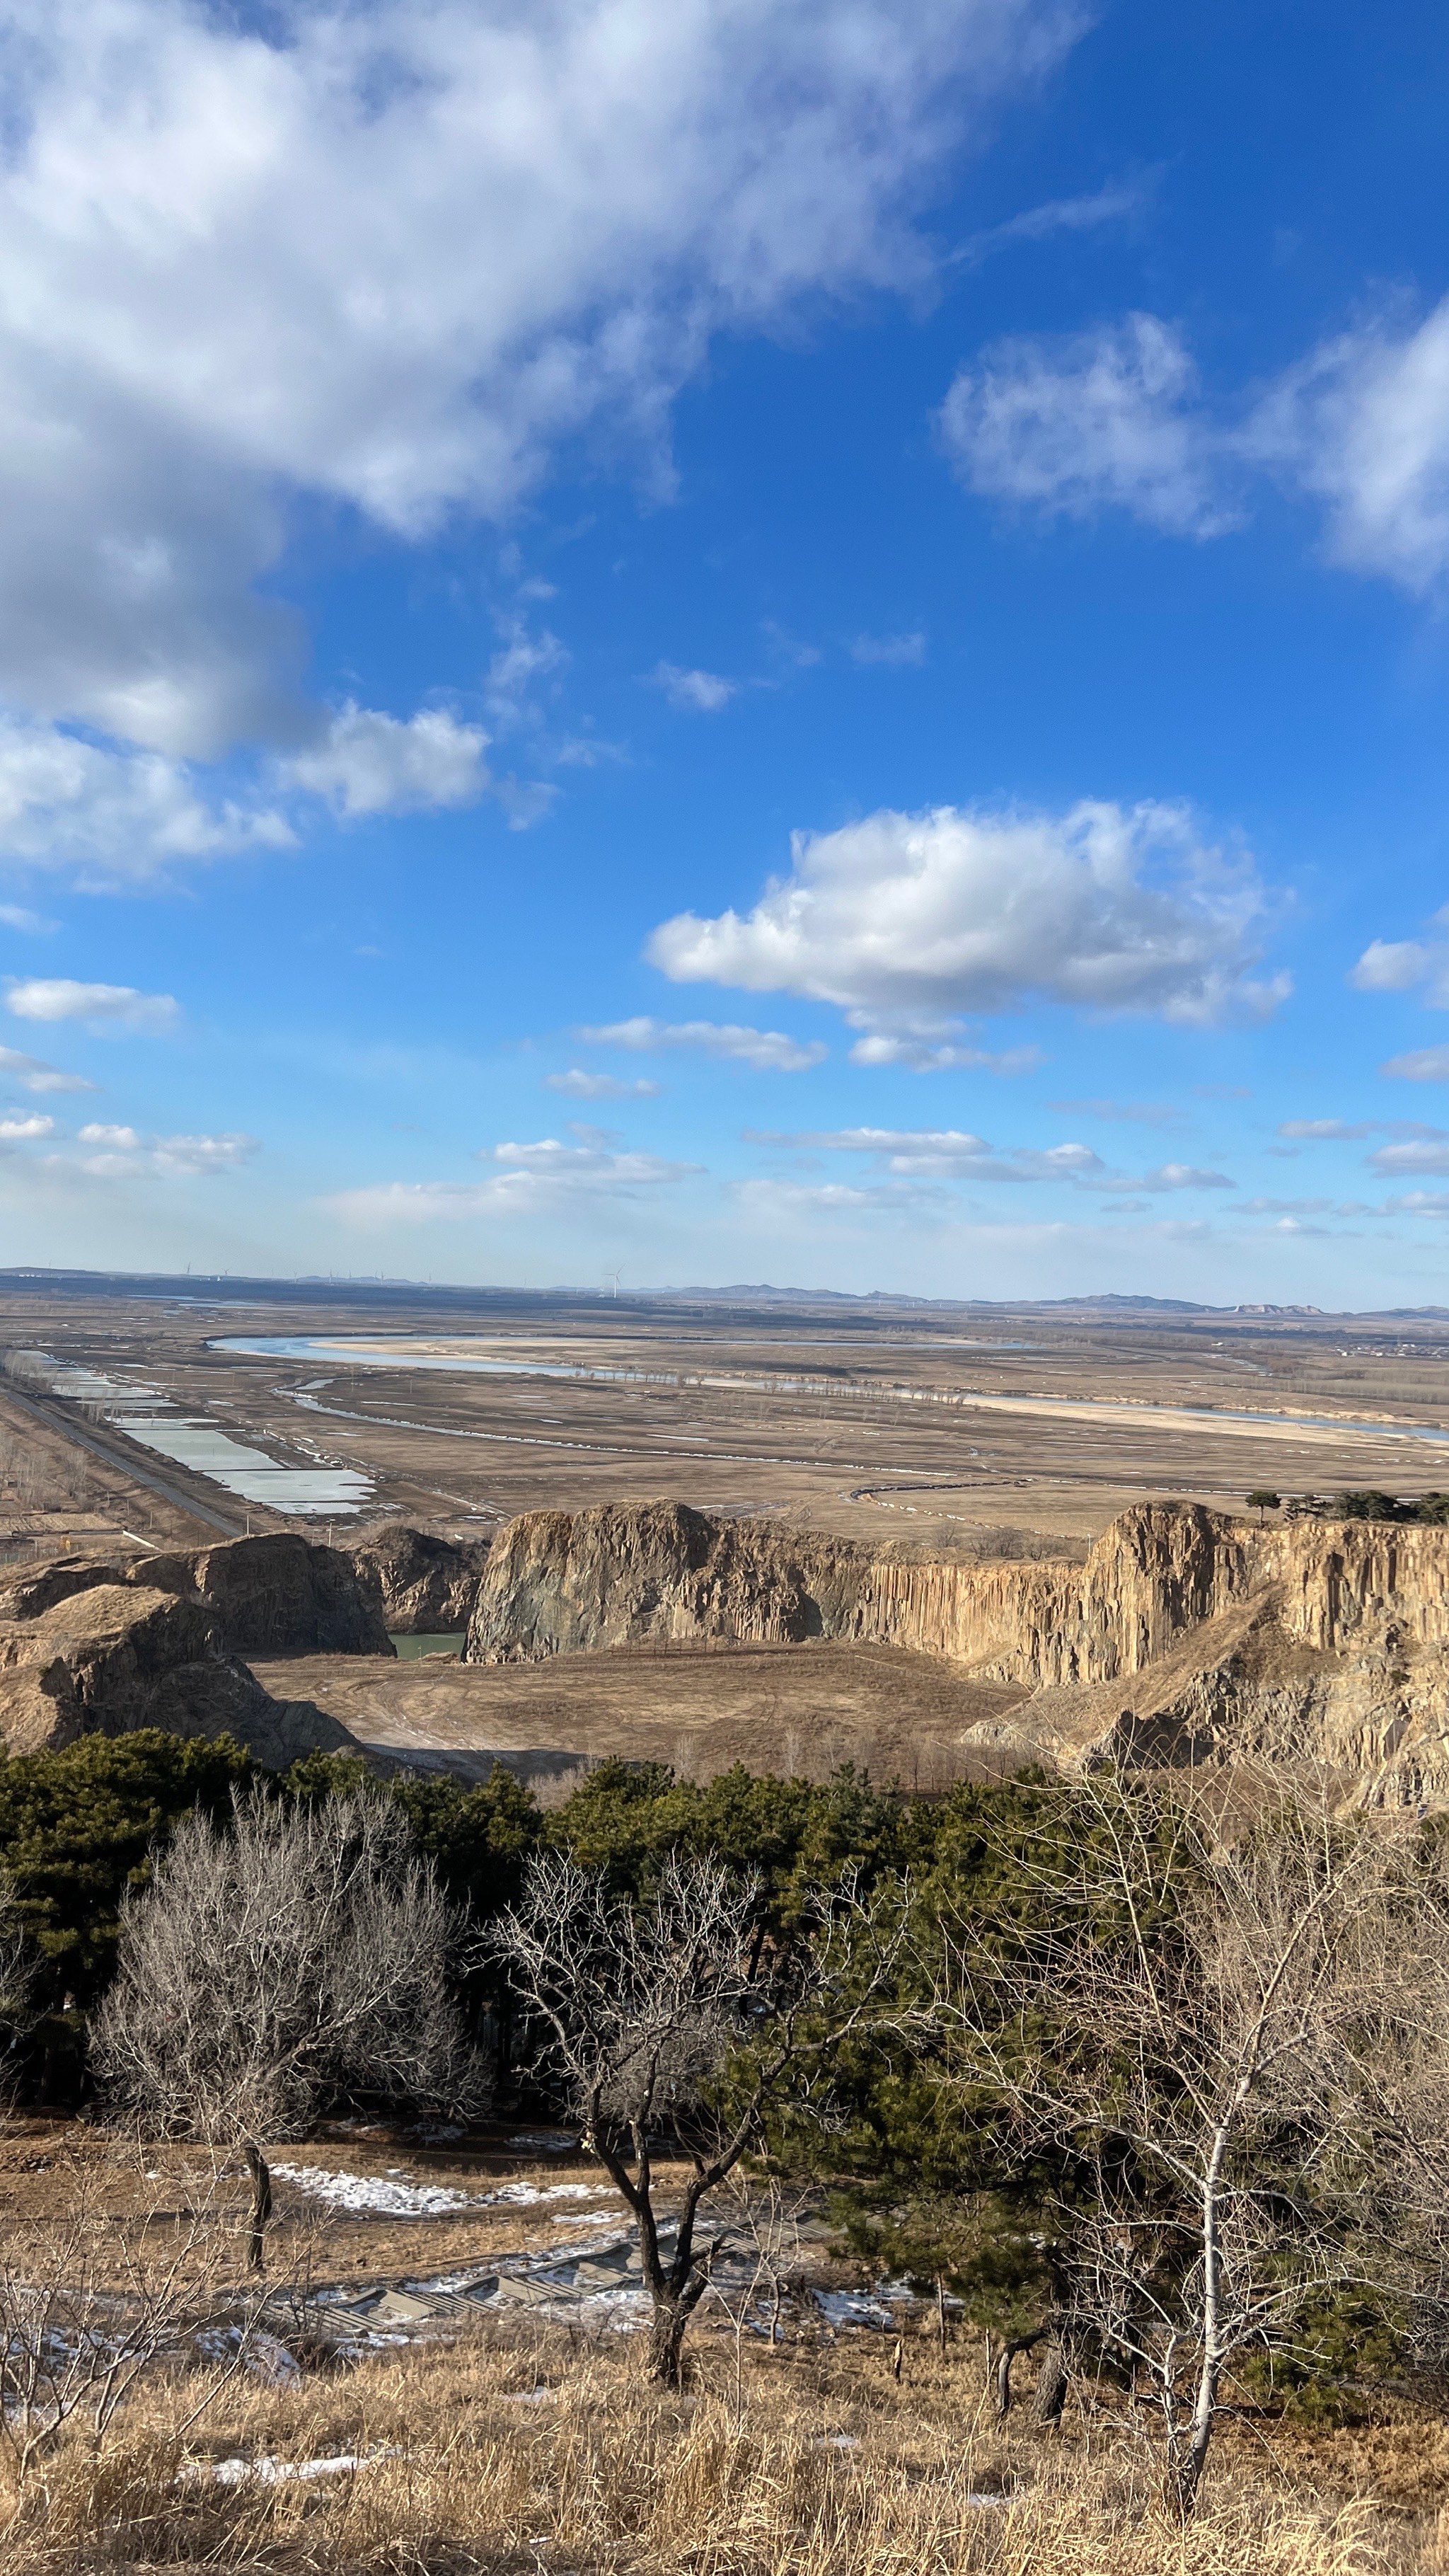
(828,2469)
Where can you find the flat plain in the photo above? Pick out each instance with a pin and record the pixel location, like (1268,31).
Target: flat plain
(958,1430)
(944,1432)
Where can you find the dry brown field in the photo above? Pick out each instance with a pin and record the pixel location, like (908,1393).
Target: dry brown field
(523,2442)
(952,1429)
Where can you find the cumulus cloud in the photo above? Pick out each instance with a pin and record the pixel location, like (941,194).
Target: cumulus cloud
(576,1084)
(1421,1064)
(763,1050)
(122,1153)
(32,1075)
(527,1179)
(392,257)
(369,763)
(1392,1162)
(99,1006)
(1106,419)
(695,693)
(1363,424)
(23,1131)
(113,814)
(1404,965)
(1113,419)
(903,918)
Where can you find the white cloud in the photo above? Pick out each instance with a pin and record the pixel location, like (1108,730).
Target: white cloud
(1059,215)
(29,1072)
(370,763)
(902,918)
(1106,419)
(931,1055)
(1363,424)
(392,257)
(514,672)
(122,1153)
(124,1140)
(546,1175)
(1324,1131)
(16,916)
(764,1050)
(1113,419)
(1422,1064)
(895,652)
(1184,1176)
(113,814)
(1400,965)
(695,693)
(1394,1161)
(101,1006)
(942,1154)
(17,1131)
(578,1085)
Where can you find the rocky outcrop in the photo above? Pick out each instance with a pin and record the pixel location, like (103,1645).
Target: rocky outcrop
(115,1656)
(556,1582)
(624,1574)
(273,1595)
(282,1595)
(1187,1637)
(422,1586)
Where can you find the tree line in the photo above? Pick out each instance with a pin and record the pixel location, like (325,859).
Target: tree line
(1153,2076)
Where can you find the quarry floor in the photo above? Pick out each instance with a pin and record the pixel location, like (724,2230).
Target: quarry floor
(798,1710)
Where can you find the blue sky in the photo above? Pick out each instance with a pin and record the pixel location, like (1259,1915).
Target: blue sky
(713,641)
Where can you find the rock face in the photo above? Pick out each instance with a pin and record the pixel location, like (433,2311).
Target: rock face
(275,1595)
(110,1657)
(422,1586)
(1186,1637)
(623,1574)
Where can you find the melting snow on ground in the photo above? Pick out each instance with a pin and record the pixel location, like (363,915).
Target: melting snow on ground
(270,2472)
(389,2196)
(376,2195)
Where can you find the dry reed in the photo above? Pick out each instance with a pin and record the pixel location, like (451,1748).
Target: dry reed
(482,2457)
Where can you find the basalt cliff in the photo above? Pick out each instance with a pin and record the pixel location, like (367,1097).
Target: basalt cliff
(1186,1636)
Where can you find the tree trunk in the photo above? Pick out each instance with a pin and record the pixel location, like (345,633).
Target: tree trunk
(666,2340)
(1189,2473)
(261,2203)
(1051,2384)
(1007,2355)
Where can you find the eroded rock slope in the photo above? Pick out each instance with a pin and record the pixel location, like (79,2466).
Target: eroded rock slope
(1186,1636)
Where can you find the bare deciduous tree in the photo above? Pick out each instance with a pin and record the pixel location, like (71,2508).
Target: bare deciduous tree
(1189,2023)
(294,1955)
(643,2008)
